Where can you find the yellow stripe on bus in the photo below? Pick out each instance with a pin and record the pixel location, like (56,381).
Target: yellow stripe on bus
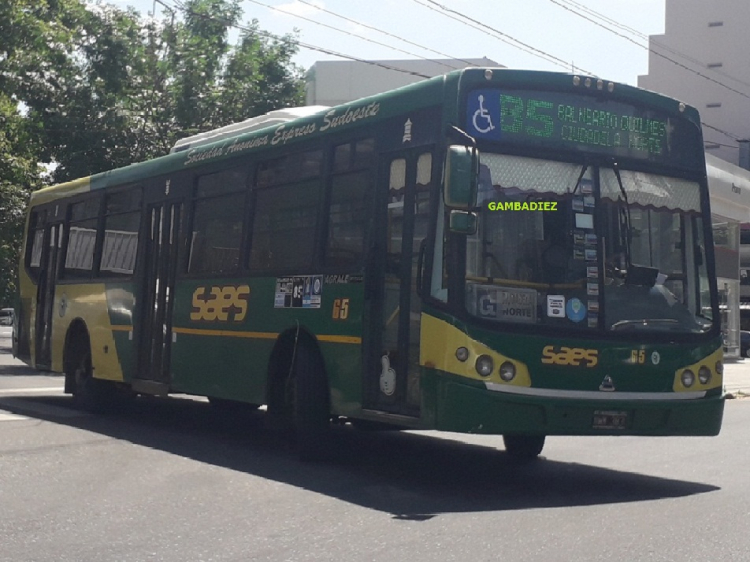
(261,335)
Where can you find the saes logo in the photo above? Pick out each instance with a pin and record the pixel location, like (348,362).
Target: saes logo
(228,303)
(573,356)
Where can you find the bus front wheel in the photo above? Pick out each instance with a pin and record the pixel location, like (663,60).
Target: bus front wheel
(523,447)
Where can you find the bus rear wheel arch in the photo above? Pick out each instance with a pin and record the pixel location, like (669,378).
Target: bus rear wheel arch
(89,393)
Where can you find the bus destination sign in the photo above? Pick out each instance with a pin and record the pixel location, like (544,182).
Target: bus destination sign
(580,122)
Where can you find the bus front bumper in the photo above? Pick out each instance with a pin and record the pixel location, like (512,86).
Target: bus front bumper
(453,405)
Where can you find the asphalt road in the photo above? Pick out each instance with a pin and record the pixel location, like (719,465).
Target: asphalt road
(172,481)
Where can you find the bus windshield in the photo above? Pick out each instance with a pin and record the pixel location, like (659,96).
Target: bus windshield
(587,248)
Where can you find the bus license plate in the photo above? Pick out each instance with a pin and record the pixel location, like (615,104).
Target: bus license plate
(610,420)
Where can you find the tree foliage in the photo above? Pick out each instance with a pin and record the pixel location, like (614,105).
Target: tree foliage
(89,87)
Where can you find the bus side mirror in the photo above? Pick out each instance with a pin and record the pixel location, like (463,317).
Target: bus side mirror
(462,222)
(461,177)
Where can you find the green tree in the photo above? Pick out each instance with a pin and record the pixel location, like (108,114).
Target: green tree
(19,175)
(111,88)
(100,88)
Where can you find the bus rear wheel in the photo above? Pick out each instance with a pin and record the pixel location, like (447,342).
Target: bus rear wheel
(312,412)
(90,394)
(87,394)
(523,447)
(299,405)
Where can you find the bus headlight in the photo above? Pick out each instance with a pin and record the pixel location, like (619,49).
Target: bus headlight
(704,374)
(507,371)
(719,368)
(484,365)
(462,354)
(688,378)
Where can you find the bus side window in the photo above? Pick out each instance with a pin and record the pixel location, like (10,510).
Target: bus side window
(81,238)
(121,222)
(347,219)
(218,217)
(347,203)
(36,236)
(285,212)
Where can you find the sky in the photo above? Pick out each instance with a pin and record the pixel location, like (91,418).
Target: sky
(558,35)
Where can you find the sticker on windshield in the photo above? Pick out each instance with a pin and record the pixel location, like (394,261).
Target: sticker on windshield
(575,310)
(584,221)
(593,320)
(556,306)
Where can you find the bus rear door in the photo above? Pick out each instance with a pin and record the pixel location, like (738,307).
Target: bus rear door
(163,219)
(45,294)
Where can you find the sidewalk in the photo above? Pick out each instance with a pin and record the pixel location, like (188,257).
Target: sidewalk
(737,377)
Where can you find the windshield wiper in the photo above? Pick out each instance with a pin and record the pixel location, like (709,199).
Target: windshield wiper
(580,177)
(625,222)
(642,323)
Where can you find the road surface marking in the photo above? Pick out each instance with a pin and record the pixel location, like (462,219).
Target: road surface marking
(5,416)
(31,390)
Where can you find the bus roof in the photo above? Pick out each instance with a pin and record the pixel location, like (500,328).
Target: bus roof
(294,124)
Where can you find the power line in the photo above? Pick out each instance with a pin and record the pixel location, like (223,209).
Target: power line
(345,32)
(730,135)
(504,37)
(648,40)
(268,35)
(580,15)
(649,49)
(469,63)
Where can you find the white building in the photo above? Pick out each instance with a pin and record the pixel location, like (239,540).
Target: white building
(700,60)
(337,82)
(729,188)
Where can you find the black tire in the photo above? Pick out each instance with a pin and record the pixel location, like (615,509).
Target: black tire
(523,447)
(312,411)
(87,394)
(90,394)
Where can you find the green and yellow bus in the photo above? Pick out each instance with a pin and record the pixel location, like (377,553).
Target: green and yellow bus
(490,251)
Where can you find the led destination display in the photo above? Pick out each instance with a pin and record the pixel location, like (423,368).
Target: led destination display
(581,122)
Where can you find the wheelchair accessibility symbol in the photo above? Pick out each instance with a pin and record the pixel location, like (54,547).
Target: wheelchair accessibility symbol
(482,119)
(483,115)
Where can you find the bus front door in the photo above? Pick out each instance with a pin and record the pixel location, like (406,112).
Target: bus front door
(162,243)
(45,296)
(392,383)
